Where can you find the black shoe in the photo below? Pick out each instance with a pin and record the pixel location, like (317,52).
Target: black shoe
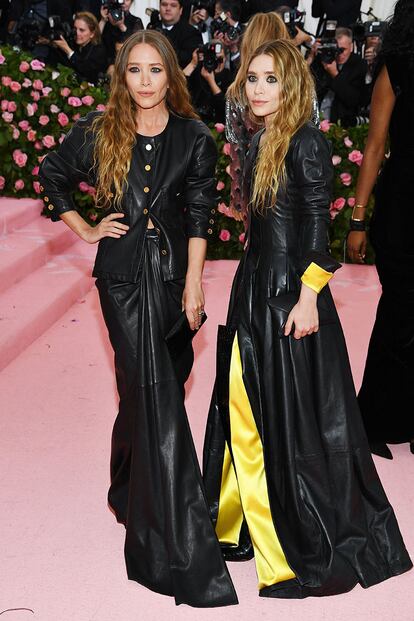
(412,447)
(241,553)
(380,449)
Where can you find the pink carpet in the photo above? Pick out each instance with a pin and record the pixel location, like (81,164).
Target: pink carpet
(61,550)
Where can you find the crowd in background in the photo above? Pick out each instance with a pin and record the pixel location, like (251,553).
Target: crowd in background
(206,35)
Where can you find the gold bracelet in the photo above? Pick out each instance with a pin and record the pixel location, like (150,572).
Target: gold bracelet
(353,212)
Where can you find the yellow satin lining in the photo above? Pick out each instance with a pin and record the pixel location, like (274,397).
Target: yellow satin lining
(271,564)
(316,277)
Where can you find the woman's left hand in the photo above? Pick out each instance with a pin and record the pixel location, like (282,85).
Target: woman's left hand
(193,303)
(304,315)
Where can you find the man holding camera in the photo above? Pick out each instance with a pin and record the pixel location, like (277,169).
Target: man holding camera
(339,77)
(116,25)
(226,27)
(200,18)
(183,37)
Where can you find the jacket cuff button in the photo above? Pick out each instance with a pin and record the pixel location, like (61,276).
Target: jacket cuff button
(163,251)
(50,207)
(145,211)
(211,221)
(209,231)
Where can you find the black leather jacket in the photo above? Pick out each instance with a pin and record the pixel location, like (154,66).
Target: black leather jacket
(171,181)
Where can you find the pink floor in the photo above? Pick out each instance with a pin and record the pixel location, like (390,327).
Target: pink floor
(61,550)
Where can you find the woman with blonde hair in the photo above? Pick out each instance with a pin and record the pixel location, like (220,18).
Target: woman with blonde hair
(152,163)
(287,465)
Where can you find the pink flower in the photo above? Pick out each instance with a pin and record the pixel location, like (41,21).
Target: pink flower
(351,201)
(224,235)
(61,138)
(91,191)
(228,170)
(75,102)
(2,182)
(54,109)
(6,80)
(46,90)
(43,119)
(336,159)
(49,141)
(219,127)
(88,100)
(35,95)
(348,142)
(226,148)
(15,86)
(336,207)
(93,216)
(325,125)
(222,207)
(12,106)
(16,133)
(83,186)
(31,109)
(101,107)
(63,120)
(35,170)
(65,91)
(24,125)
(7,116)
(40,158)
(346,178)
(19,184)
(38,84)
(36,187)
(31,135)
(24,66)
(20,158)
(241,237)
(4,105)
(37,65)
(76,116)
(220,186)
(38,145)
(2,59)
(26,83)
(356,157)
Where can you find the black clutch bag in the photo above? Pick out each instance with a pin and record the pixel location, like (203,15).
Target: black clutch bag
(281,305)
(181,335)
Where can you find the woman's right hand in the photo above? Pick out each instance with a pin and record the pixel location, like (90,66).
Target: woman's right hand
(108,227)
(357,246)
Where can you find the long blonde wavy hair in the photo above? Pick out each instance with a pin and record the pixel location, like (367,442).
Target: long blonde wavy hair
(295,109)
(115,130)
(262,27)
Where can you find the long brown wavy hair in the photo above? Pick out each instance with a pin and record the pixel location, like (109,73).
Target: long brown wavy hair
(115,130)
(262,27)
(296,108)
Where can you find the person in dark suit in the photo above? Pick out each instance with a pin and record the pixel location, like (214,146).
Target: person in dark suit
(345,12)
(115,32)
(183,37)
(340,84)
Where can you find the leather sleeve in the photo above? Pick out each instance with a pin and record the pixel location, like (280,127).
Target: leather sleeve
(313,177)
(200,187)
(62,170)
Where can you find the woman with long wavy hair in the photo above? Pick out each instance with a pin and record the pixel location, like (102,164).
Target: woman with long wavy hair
(287,466)
(387,385)
(152,163)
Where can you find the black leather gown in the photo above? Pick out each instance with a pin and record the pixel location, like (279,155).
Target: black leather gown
(328,510)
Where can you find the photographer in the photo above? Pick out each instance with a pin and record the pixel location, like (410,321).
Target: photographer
(116,25)
(339,77)
(183,37)
(208,80)
(87,55)
(297,35)
(226,27)
(200,18)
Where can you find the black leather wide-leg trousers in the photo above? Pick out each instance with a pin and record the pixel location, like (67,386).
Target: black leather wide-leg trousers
(156,487)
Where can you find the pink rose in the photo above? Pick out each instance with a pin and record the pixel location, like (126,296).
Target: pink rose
(226,149)
(38,84)
(54,109)
(37,65)
(26,83)
(15,86)
(31,135)
(20,158)
(356,157)
(325,125)
(49,141)
(7,116)
(61,138)
(36,187)
(46,90)
(35,170)
(101,107)
(348,142)
(12,106)
(4,105)
(2,182)
(219,127)
(346,178)
(336,159)
(63,120)
(2,59)
(224,235)
(83,186)
(16,133)
(19,184)
(40,158)
(87,100)
(65,91)
(91,191)
(228,170)
(24,125)
(35,95)
(76,116)
(351,201)
(43,119)
(222,207)
(31,109)
(241,237)
(220,186)
(336,207)
(24,66)
(6,80)
(38,145)
(93,216)
(75,102)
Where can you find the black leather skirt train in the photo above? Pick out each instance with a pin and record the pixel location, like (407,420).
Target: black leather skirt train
(156,488)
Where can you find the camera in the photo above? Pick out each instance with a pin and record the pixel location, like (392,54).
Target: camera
(210,53)
(30,28)
(55,29)
(155,19)
(329,50)
(293,20)
(221,25)
(375,28)
(114,9)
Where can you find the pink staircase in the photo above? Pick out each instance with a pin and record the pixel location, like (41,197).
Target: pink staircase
(44,269)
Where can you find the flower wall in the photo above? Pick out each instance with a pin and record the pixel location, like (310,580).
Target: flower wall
(39,105)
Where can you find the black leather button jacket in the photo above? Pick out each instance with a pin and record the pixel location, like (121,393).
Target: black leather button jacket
(171,180)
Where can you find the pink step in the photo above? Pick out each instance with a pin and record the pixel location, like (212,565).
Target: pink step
(17,212)
(31,246)
(30,307)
